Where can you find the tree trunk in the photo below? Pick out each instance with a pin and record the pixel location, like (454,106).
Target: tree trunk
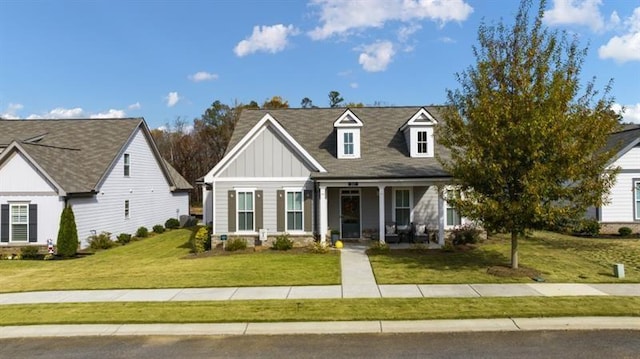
(514,250)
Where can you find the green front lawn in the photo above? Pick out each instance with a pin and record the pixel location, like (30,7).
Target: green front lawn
(317,310)
(558,258)
(161,262)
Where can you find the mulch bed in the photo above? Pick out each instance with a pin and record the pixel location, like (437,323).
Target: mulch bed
(508,272)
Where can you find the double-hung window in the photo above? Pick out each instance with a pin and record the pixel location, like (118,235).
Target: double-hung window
(126,209)
(422,142)
(19,222)
(348,143)
(403,207)
(453,217)
(245,211)
(636,197)
(127,164)
(294,211)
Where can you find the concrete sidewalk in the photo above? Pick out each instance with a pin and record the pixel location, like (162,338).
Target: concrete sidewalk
(291,328)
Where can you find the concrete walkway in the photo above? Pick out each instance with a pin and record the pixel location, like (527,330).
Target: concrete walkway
(358,281)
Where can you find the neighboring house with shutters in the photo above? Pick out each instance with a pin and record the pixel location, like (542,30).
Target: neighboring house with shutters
(108,170)
(361,171)
(623,206)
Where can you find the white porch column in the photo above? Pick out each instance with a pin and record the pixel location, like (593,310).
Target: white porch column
(324,217)
(441,215)
(381,228)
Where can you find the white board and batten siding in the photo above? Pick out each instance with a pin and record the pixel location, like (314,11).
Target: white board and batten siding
(621,200)
(267,164)
(20,182)
(146,188)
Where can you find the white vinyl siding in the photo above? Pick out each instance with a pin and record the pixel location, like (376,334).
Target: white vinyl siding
(294,211)
(246,214)
(621,204)
(151,201)
(19,222)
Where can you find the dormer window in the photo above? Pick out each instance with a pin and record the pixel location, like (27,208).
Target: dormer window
(418,133)
(348,143)
(348,135)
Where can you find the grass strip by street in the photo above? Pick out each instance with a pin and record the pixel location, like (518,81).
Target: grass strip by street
(164,261)
(316,310)
(558,258)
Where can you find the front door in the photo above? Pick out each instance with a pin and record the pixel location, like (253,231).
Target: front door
(350,213)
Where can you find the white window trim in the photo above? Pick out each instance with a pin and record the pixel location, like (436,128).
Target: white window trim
(253,210)
(393,199)
(356,142)
(447,207)
(286,209)
(11,206)
(636,198)
(127,209)
(413,137)
(426,142)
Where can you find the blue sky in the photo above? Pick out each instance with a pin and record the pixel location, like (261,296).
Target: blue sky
(164,60)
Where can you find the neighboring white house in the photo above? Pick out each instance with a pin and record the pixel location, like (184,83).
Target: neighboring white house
(108,170)
(623,207)
(361,171)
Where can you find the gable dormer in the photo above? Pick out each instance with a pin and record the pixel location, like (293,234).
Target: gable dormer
(419,134)
(348,131)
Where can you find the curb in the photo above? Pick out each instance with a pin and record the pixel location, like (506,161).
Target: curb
(343,327)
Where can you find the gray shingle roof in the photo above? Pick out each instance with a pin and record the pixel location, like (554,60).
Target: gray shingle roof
(76,153)
(384,152)
(623,140)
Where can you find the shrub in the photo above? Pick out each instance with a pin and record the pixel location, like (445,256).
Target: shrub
(466,234)
(142,232)
(625,231)
(190,222)
(282,243)
(235,244)
(318,247)
(29,252)
(123,238)
(588,227)
(158,228)
(172,223)
(67,242)
(199,241)
(101,241)
(378,248)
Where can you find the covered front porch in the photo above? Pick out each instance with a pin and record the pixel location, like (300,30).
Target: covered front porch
(387,210)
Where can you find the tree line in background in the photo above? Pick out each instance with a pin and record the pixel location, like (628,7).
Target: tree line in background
(193,148)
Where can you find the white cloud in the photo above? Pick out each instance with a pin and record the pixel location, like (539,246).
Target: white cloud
(577,12)
(172,99)
(406,31)
(625,47)
(338,17)
(109,114)
(631,112)
(11,112)
(203,76)
(353,85)
(60,112)
(135,106)
(377,56)
(266,38)
(447,40)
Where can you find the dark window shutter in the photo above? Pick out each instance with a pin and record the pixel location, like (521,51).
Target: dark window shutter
(258,209)
(33,223)
(308,200)
(231,215)
(280,211)
(4,223)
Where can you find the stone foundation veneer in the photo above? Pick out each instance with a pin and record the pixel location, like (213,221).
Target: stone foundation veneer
(298,240)
(612,228)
